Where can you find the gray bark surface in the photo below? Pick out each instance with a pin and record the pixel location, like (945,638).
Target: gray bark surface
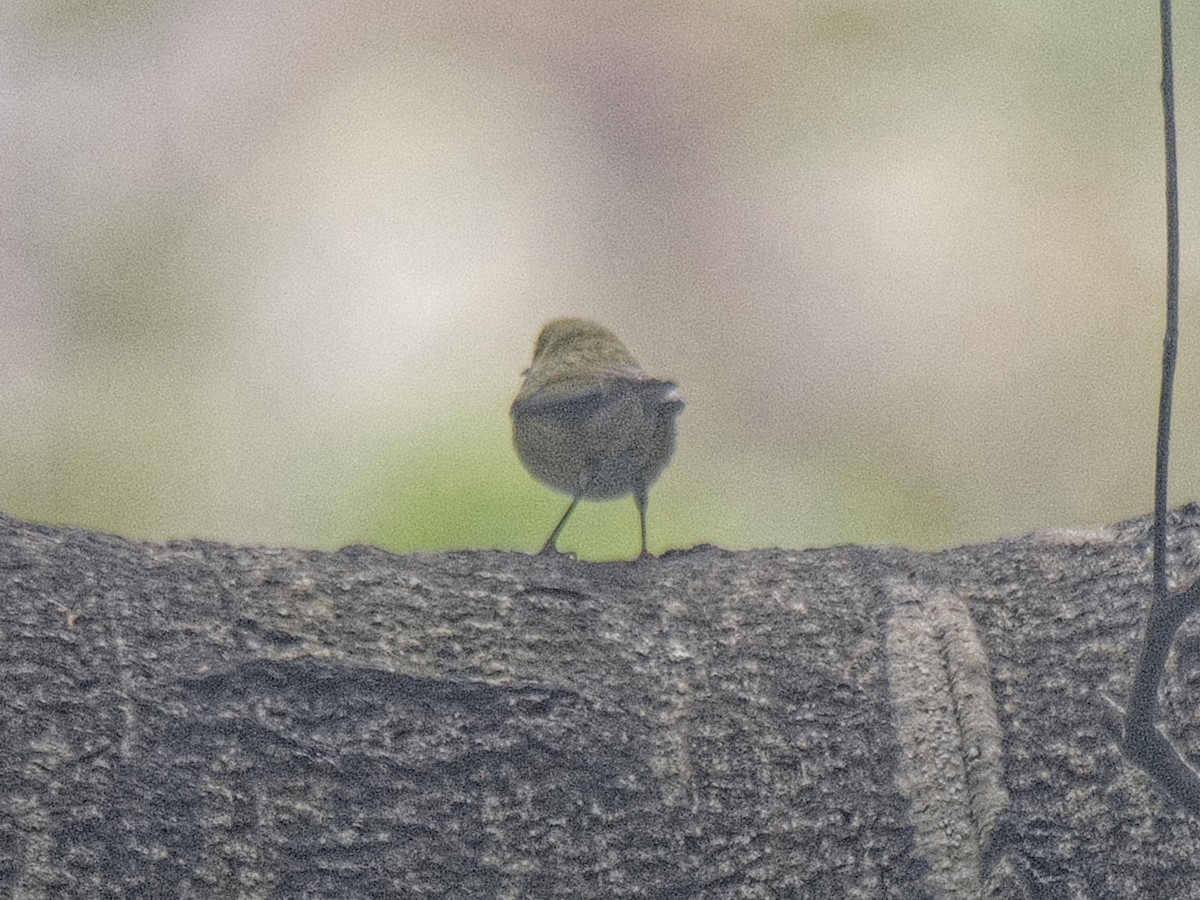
(196,720)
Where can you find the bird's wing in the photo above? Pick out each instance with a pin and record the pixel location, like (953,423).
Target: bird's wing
(566,407)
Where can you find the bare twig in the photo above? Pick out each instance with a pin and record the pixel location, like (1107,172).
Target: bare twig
(1143,742)
(1170,341)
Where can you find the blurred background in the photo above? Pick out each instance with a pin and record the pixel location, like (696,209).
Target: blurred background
(269,272)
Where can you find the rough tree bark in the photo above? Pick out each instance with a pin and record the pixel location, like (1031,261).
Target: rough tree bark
(198,720)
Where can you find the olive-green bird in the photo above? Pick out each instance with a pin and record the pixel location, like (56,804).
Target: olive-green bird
(589,422)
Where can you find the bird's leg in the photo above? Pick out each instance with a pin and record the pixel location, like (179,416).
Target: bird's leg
(641,497)
(549,547)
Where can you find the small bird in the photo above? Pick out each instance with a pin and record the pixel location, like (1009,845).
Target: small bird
(588,422)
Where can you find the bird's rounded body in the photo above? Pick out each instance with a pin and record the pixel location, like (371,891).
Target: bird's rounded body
(602,442)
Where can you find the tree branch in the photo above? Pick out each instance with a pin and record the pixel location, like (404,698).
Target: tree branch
(198,720)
